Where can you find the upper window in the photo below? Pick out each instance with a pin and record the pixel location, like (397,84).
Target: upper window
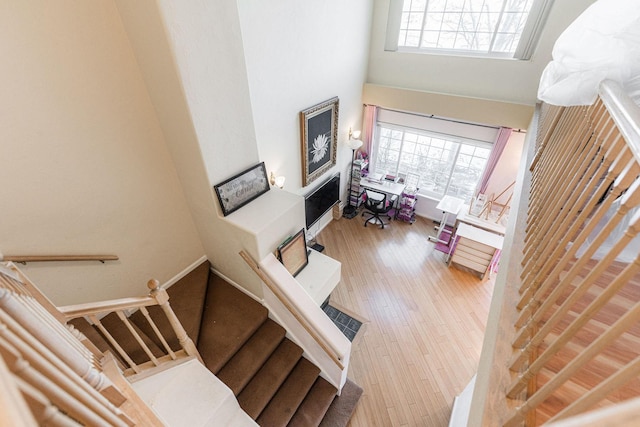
(503,28)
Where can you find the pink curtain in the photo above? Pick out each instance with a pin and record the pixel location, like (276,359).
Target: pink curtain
(368,127)
(498,147)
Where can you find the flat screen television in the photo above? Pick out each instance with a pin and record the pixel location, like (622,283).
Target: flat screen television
(321,200)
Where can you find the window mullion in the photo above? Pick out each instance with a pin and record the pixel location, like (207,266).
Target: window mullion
(495,30)
(424,22)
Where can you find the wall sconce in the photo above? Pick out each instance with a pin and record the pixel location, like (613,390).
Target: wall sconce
(354,135)
(278,181)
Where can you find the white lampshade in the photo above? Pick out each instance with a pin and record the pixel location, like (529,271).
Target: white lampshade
(354,144)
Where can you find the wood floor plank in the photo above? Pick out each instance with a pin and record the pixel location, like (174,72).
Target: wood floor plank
(426,321)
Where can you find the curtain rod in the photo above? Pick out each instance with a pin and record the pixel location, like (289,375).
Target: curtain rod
(431,116)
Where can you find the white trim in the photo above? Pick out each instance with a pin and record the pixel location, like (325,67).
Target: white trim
(237,286)
(184,272)
(533,29)
(393,25)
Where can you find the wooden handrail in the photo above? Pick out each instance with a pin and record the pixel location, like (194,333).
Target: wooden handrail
(23,259)
(95,308)
(296,313)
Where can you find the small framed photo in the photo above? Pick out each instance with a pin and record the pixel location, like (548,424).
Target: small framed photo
(293,253)
(242,188)
(319,132)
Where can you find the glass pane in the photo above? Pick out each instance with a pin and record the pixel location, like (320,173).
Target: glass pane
(418,5)
(447,40)
(504,43)
(437,5)
(430,39)
(465,41)
(512,22)
(394,144)
(451,21)
(409,147)
(483,153)
(463,160)
(433,22)
(404,21)
(409,136)
(467,149)
(415,21)
(470,21)
(412,39)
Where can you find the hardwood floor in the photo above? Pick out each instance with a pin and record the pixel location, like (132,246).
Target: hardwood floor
(425,322)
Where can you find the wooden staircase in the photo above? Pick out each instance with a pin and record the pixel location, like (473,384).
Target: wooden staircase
(238,342)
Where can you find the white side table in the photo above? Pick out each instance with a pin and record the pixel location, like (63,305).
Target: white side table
(448,205)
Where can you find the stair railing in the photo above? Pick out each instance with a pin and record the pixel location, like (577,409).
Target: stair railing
(328,348)
(565,315)
(56,377)
(123,307)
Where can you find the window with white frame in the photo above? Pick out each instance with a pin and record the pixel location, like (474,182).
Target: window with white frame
(502,28)
(446,164)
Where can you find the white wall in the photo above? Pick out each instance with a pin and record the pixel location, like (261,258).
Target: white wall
(507,168)
(84,165)
(300,53)
(228,82)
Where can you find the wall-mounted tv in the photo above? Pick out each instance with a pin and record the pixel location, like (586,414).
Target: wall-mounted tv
(317,203)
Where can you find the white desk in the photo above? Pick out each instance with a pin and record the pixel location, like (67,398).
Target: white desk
(448,205)
(390,188)
(475,248)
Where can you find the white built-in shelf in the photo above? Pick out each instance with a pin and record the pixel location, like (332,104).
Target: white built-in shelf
(266,222)
(320,276)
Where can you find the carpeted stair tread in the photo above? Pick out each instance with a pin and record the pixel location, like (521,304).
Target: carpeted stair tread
(343,406)
(229,319)
(315,404)
(290,395)
(237,373)
(264,385)
(186,298)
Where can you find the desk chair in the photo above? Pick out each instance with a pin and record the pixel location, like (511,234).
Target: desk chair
(376,204)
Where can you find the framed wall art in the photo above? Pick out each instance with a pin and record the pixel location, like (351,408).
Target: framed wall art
(293,253)
(242,188)
(319,132)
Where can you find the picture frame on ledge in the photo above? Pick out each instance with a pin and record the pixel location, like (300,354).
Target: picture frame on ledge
(242,188)
(319,133)
(293,254)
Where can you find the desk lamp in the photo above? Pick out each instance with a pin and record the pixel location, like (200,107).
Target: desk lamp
(354,143)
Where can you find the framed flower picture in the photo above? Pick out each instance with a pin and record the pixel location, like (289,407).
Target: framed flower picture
(319,132)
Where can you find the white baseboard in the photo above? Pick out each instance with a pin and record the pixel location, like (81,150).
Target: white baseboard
(184,272)
(236,285)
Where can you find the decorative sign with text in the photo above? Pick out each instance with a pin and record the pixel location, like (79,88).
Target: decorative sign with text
(239,190)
